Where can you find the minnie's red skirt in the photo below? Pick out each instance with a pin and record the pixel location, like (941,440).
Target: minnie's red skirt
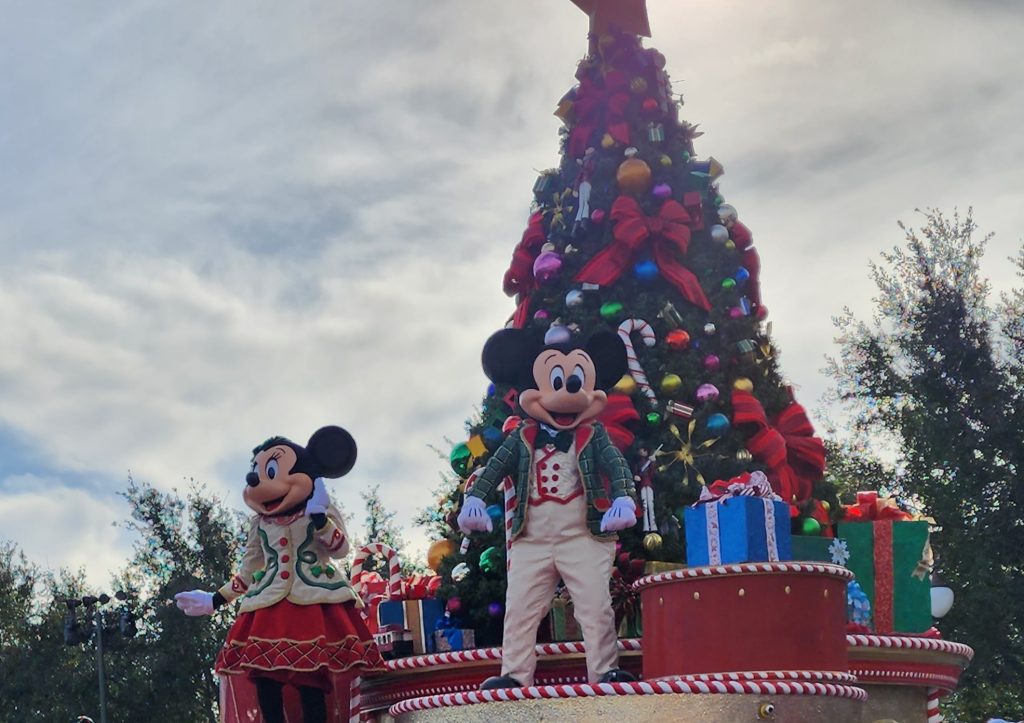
(299,644)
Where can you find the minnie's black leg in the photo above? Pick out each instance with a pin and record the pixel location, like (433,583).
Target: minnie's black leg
(268,692)
(314,708)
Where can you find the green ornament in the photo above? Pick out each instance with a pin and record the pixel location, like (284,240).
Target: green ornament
(810,527)
(728,284)
(653,418)
(316,570)
(490,559)
(611,309)
(686,156)
(719,200)
(460,458)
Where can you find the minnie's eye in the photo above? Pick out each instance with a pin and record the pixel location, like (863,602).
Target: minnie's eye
(575,382)
(557,378)
(272,469)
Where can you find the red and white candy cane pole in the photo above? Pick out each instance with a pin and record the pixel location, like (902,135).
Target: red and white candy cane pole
(934,716)
(394,569)
(626,328)
(508,488)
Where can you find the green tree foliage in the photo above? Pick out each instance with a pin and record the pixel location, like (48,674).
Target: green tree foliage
(379,526)
(926,373)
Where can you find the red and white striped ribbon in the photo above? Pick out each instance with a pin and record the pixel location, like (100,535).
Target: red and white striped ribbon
(626,328)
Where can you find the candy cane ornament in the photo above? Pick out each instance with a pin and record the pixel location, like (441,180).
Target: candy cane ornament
(626,328)
(394,570)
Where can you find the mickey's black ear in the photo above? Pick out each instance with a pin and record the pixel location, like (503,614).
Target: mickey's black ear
(609,355)
(508,357)
(333,450)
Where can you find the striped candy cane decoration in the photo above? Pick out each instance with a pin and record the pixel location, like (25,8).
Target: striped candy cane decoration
(626,328)
(355,703)
(934,716)
(508,488)
(394,569)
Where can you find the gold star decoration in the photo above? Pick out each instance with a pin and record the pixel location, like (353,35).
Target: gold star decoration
(629,16)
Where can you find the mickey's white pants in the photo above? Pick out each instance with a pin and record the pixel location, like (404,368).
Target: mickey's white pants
(557,544)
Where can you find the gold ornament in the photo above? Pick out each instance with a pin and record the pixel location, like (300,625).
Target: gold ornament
(437,551)
(652,541)
(665,160)
(730,245)
(638,85)
(744,455)
(671,383)
(826,506)
(688,453)
(625,385)
(742,384)
(634,177)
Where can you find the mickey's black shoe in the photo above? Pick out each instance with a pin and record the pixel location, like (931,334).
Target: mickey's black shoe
(501,681)
(617,675)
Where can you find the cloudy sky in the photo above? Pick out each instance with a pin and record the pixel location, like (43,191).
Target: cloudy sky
(225,221)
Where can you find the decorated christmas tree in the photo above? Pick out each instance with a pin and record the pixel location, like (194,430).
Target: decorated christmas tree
(631,232)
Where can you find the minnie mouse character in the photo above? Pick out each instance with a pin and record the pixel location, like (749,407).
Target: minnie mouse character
(565,520)
(297,621)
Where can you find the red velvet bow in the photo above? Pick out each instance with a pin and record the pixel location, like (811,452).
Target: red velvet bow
(420,587)
(794,456)
(749,259)
(745,485)
(597,105)
(519,279)
(619,412)
(664,233)
(871,507)
(625,599)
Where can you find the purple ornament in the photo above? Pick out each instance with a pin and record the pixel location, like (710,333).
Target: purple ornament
(736,313)
(707,393)
(541,315)
(547,266)
(662,191)
(597,216)
(495,609)
(557,334)
(712,362)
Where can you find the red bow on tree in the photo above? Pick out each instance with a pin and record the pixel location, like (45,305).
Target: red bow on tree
(619,412)
(596,106)
(794,456)
(749,259)
(664,233)
(519,279)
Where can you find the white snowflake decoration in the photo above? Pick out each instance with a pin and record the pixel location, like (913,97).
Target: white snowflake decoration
(839,551)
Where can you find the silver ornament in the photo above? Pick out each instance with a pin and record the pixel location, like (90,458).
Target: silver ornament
(547,247)
(719,234)
(460,572)
(710,329)
(727,214)
(557,334)
(574,298)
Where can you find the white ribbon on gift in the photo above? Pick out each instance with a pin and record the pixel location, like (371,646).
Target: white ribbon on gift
(757,486)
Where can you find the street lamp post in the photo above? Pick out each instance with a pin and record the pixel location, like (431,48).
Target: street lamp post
(74,635)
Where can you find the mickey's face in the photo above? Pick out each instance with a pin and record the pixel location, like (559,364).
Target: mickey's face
(271,486)
(565,396)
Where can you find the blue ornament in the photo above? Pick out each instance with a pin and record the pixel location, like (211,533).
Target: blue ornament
(646,270)
(741,275)
(858,606)
(492,434)
(717,424)
(496,513)
(490,390)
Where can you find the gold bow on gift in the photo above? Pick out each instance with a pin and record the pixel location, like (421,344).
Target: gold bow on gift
(686,453)
(559,208)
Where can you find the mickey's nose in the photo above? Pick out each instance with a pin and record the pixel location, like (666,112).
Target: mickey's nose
(252,479)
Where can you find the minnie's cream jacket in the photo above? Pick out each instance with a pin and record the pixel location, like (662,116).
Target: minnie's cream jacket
(287,558)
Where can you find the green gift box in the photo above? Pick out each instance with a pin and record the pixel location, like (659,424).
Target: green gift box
(812,549)
(892,559)
(564,627)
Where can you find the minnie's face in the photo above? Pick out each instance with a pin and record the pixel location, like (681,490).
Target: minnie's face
(271,487)
(565,396)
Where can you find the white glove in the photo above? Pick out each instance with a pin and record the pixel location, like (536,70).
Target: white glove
(620,515)
(474,517)
(319,502)
(195,602)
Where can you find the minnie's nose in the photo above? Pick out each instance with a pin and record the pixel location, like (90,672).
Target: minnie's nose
(252,479)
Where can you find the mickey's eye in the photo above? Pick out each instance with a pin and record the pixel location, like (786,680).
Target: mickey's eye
(272,469)
(575,382)
(557,378)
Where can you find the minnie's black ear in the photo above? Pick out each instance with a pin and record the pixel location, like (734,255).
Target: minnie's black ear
(609,356)
(333,450)
(508,357)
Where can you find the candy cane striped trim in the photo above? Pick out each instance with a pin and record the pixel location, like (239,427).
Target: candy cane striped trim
(508,489)
(910,643)
(635,370)
(821,676)
(394,568)
(483,654)
(747,568)
(906,677)
(660,687)
(932,707)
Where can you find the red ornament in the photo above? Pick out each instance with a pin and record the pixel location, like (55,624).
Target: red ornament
(511,422)
(454,605)
(650,107)
(678,339)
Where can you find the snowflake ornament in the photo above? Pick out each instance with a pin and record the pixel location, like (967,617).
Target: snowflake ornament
(839,551)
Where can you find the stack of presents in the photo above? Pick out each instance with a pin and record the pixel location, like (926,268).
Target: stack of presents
(737,521)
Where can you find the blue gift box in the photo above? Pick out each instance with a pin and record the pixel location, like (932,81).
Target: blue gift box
(742,534)
(416,616)
(450,639)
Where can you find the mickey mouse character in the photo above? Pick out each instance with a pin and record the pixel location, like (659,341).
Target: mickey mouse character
(298,621)
(564,522)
